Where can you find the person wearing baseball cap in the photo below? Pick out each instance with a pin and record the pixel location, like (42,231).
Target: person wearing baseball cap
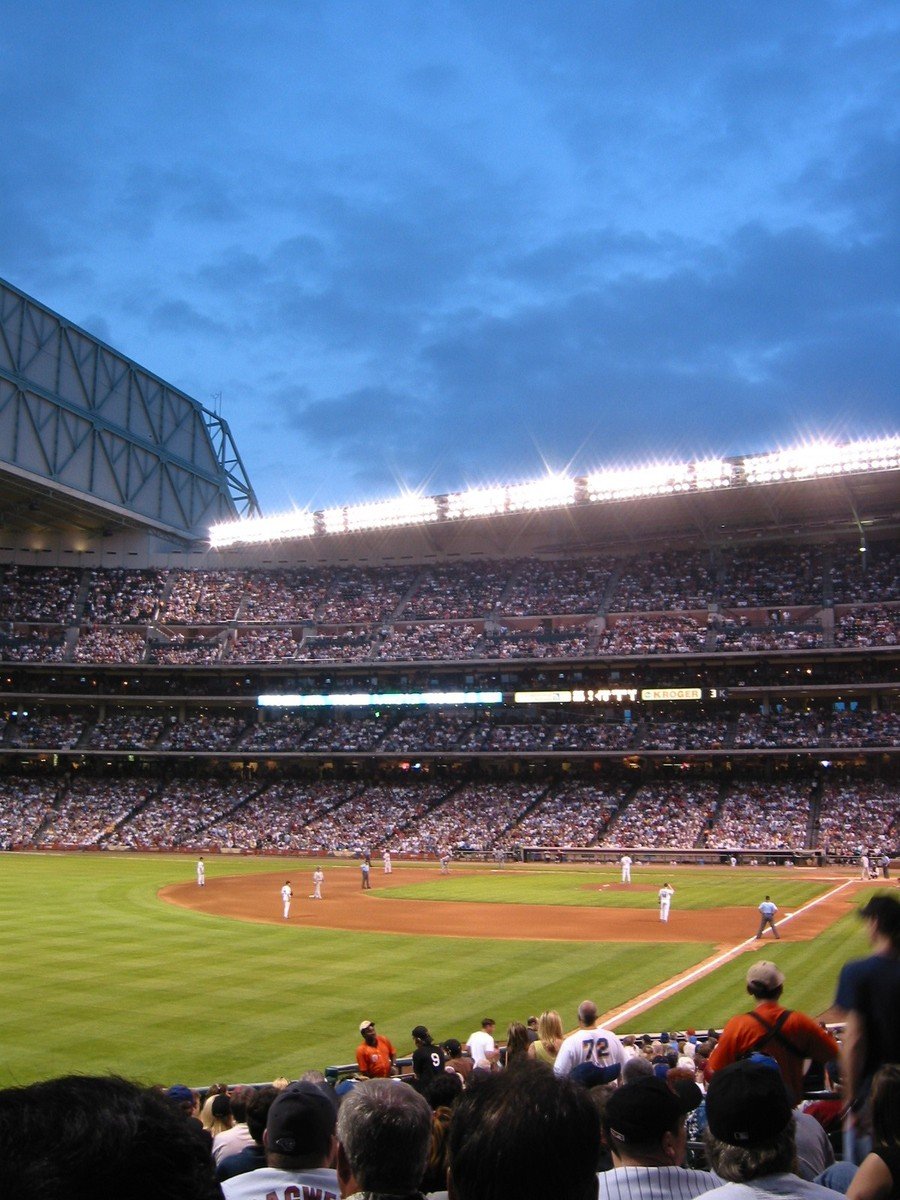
(300,1147)
(788,1037)
(750,1134)
(376,1057)
(644,1128)
(428,1059)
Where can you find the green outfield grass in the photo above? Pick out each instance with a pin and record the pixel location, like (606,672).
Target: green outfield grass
(584,887)
(100,975)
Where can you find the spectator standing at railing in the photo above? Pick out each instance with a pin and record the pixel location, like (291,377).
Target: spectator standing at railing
(868,994)
(788,1037)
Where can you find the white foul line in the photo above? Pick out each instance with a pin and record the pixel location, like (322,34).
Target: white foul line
(708,966)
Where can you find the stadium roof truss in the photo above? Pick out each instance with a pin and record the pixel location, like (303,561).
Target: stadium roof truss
(94,440)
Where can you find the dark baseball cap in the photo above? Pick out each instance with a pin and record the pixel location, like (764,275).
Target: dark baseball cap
(747,1104)
(301,1120)
(641,1112)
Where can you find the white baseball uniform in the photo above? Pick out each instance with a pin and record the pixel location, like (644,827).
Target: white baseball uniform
(201,873)
(387,862)
(666,892)
(318,880)
(626,861)
(598,1046)
(286,895)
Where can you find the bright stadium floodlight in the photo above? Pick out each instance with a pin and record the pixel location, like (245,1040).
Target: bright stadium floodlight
(712,473)
(664,479)
(553,491)
(381,514)
(820,459)
(477,502)
(296,524)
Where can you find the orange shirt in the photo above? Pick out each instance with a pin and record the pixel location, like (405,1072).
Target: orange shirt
(375,1061)
(742,1033)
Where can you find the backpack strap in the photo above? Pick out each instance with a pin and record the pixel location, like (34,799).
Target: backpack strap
(773,1033)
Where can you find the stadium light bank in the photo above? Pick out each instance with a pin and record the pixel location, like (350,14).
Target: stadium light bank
(813,461)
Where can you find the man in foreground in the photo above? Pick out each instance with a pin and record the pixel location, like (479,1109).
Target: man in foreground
(85,1136)
(644,1127)
(788,1037)
(300,1149)
(524,1134)
(868,996)
(750,1135)
(384,1135)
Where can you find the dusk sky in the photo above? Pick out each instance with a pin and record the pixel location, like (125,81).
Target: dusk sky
(437,245)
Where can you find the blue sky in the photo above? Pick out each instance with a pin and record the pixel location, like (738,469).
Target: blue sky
(449,244)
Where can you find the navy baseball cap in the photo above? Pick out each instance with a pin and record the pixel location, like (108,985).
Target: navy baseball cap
(301,1120)
(747,1103)
(641,1112)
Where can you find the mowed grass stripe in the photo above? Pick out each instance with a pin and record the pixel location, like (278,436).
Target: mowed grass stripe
(811,969)
(695,890)
(99,975)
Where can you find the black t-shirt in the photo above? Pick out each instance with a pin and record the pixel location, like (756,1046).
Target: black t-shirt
(871,987)
(428,1061)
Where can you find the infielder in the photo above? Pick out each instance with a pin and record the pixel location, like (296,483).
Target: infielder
(318,880)
(386,858)
(767,911)
(445,862)
(626,861)
(286,895)
(201,872)
(666,892)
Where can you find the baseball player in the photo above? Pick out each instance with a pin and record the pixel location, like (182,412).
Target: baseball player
(626,861)
(366,867)
(767,911)
(286,896)
(318,880)
(445,862)
(201,872)
(386,859)
(666,892)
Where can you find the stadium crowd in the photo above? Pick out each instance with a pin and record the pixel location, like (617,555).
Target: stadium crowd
(227,809)
(672,602)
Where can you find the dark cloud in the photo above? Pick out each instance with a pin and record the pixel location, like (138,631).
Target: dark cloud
(443,245)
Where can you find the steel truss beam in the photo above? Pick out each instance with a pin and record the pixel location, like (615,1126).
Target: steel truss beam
(76,414)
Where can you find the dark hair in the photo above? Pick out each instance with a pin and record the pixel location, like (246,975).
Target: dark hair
(443,1090)
(258,1112)
(240,1098)
(524,1135)
(82,1135)
(886,1107)
(884,910)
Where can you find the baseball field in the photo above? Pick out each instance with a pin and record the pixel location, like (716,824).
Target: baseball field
(122,964)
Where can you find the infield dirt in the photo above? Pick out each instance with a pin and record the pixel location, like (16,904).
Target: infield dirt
(257,898)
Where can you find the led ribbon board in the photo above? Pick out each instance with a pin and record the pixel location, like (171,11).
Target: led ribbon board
(377,699)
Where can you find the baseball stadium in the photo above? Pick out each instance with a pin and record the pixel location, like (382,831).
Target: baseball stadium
(500,723)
